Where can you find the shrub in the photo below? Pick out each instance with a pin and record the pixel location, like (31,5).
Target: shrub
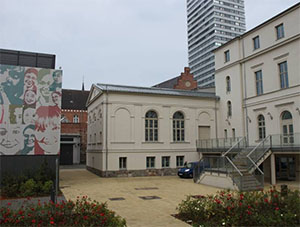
(46,188)
(28,188)
(83,212)
(228,208)
(22,185)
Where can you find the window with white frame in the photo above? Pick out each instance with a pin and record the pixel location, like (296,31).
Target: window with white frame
(178,127)
(283,74)
(150,162)
(256,44)
(151,126)
(228,84)
(279,31)
(261,127)
(165,162)
(179,161)
(75,119)
(225,134)
(259,82)
(123,163)
(229,109)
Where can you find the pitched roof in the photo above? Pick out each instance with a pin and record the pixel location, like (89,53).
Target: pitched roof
(74,99)
(154,90)
(168,83)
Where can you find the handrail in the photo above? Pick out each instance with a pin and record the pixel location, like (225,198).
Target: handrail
(255,165)
(258,146)
(233,146)
(233,165)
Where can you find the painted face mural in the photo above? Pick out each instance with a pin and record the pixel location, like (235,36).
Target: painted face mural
(12,88)
(10,141)
(29,116)
(47,129)
(30,79)
(29,139)
(56,97)
(29,97)
(29,110)
(56,85)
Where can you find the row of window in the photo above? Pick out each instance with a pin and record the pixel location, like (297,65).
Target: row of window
(287,128)
(283,77)
(151,126)
(256,42)
(65,120)
(150,162)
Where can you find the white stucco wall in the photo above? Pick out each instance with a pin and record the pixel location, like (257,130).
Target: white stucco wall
(126,129)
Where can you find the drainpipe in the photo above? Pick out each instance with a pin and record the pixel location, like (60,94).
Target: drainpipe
(216,118)
(245,93)
(106,133)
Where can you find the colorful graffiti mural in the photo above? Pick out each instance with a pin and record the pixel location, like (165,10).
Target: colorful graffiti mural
(30,101)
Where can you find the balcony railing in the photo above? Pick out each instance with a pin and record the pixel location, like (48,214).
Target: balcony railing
(220,143)
(276,141)
(285,140)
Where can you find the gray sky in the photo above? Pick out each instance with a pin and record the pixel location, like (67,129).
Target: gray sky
(129,42)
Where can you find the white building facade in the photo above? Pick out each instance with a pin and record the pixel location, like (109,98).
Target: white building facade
(258,82)
(211,23)
(136,131)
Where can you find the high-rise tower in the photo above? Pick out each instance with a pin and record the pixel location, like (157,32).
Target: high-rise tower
(210,24)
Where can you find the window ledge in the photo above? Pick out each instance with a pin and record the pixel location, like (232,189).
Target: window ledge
(152,142)
(183,142)
(116,142)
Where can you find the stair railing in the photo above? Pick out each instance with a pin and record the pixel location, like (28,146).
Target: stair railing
(259,151)
(255,155)
(241,143)
(218,165)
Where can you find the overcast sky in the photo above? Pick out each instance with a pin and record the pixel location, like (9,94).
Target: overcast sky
(128,42)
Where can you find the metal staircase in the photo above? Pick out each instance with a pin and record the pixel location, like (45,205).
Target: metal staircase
(240,163)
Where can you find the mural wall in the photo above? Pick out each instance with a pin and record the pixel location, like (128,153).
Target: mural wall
(30,102)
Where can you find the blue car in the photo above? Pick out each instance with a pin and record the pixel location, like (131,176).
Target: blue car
(187,170)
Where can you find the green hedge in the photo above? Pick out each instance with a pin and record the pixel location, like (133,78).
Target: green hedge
(83,212)
(228,208)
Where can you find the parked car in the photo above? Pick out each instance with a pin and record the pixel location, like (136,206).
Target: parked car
(187,170)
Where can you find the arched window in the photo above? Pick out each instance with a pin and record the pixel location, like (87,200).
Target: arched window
(229,109)
(228,84)
(261,127)
(178,127)
(151,126)
(287,127)
(75,119)
(286,115)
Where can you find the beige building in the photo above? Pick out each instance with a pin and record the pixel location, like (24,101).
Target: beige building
(258,82)
(137,131)
(248,130)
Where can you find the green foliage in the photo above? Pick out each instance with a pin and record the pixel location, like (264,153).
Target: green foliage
(83,212)
(31,183)
(46,188)
(28,188)
(228,208)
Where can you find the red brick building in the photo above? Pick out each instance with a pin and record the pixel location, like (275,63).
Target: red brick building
(185,81)
(73,126)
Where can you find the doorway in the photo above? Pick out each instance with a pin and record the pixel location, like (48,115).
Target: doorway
(285,168)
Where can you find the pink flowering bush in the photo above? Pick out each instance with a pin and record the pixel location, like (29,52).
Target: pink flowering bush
(83,212)
(228,208)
